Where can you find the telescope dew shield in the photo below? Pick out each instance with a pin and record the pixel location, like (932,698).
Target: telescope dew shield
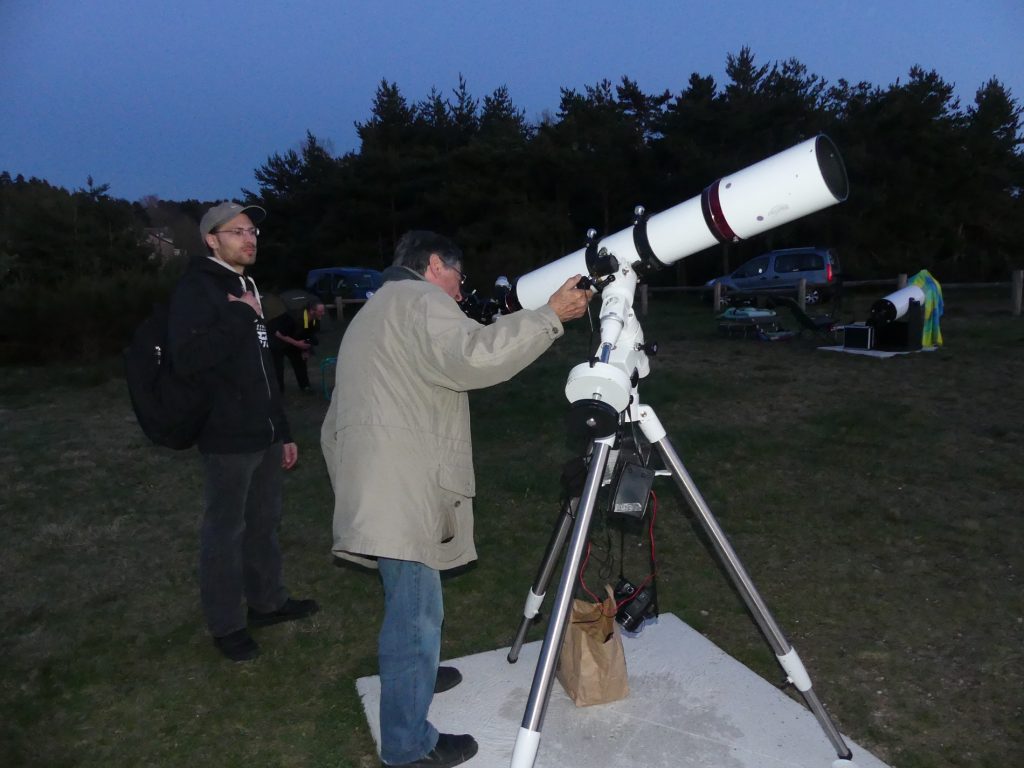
(782,188)
(775,191)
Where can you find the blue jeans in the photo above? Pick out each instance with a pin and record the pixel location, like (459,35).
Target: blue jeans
(239,554)
(409,651)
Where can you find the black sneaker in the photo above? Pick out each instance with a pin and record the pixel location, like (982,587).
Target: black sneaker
(450,750)
(238,646)
(447,678)
(291,610)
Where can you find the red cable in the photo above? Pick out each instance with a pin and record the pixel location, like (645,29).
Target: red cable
(650,576)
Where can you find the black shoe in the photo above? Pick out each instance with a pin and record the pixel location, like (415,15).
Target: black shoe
(447,678)
(291,610)
(450,750)
(238,646)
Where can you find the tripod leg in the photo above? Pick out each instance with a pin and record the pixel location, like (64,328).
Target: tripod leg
(547,566)
(787,656)
(528,739)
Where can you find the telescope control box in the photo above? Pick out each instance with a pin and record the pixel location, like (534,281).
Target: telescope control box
(858,336)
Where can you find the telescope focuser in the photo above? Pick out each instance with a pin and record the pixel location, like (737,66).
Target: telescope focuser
(600,262)
(597,283)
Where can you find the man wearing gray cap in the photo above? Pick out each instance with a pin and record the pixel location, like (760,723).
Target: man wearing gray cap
(217,334)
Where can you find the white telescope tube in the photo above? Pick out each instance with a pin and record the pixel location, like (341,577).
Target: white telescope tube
(895,305)
(782,188)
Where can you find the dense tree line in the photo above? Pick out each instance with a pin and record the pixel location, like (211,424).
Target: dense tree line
(933,185)
(79,269)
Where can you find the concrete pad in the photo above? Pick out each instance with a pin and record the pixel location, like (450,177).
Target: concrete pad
(876,352)
(690,706)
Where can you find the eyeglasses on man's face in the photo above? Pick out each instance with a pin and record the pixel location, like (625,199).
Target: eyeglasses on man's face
(239,232)
(459,272)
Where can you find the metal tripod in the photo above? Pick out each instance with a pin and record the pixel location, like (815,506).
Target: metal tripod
(577,515)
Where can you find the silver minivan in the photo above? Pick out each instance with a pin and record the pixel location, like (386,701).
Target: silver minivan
(781,271)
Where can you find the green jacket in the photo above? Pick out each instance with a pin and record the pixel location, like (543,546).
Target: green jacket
(396,438)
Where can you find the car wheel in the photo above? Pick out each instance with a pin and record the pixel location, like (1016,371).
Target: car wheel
(812,297)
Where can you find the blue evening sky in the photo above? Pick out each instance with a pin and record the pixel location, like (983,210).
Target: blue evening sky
(185,98)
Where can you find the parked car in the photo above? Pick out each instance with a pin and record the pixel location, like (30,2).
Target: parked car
(355,284)
(781,271)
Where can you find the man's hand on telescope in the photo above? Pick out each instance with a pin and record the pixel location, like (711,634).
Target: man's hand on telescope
(570,302)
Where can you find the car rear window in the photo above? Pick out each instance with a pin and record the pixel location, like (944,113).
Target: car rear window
(799,262)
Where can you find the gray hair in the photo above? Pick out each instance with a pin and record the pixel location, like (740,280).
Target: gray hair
(416,246)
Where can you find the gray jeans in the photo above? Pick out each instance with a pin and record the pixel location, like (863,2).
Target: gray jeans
(239,553)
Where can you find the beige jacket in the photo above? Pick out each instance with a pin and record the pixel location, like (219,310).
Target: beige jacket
(396,437)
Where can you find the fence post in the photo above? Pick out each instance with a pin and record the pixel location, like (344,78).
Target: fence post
(716,300)
(801,293)
(901,280)
(1016,284)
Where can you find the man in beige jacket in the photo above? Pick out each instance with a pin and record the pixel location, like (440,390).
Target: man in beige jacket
(398,448)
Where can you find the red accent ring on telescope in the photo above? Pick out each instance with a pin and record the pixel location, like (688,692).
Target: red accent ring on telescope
(714,217)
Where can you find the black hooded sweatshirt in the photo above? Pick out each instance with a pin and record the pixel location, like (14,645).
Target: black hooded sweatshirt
(223,344)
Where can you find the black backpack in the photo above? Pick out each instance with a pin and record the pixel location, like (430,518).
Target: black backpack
(171,408)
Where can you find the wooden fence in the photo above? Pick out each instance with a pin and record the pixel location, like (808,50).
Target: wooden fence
(1016,287)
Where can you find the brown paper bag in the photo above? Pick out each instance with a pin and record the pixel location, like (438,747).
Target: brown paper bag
(592,666)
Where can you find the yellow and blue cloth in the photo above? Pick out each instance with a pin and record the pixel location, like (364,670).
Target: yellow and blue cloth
(931,335)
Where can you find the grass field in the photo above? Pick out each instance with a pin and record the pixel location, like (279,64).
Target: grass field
(875,503)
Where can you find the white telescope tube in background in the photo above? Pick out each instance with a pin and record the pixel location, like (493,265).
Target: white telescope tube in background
(895,305)
(784,187)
